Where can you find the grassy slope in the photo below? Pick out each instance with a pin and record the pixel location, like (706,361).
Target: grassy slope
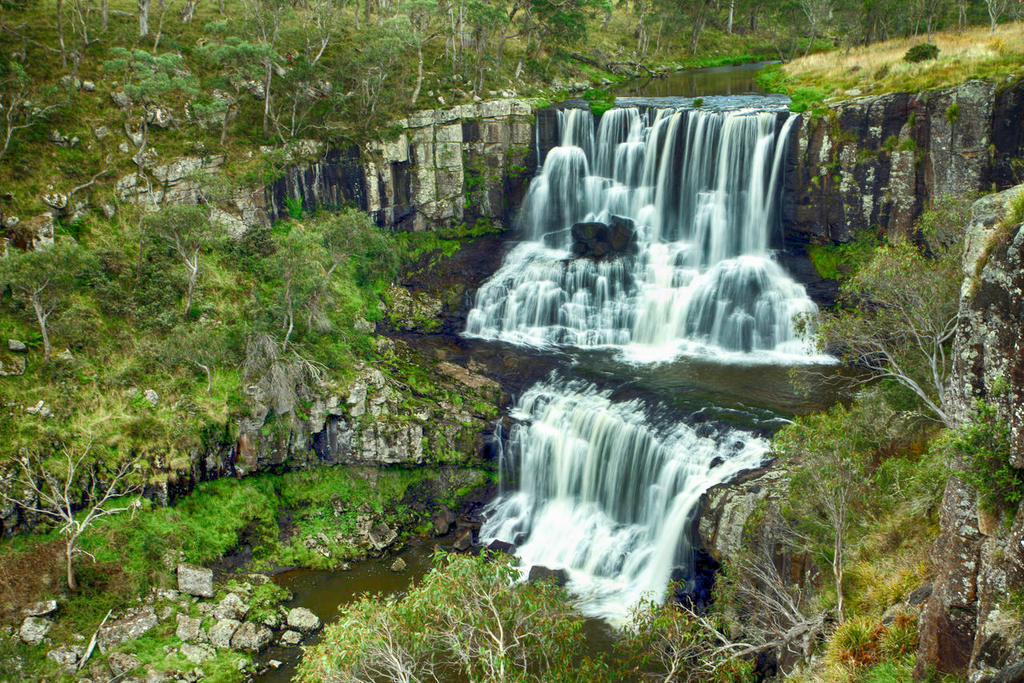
(879,68)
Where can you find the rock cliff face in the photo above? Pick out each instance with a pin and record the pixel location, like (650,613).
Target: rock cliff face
(875,162)
(967,624)
(445,166)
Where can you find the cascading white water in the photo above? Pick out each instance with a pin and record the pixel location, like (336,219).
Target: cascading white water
(607,489)
(702,189)
(606,495)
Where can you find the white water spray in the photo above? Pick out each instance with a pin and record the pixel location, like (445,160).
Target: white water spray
(606,490)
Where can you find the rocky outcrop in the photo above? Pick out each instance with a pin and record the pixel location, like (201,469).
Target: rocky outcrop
(445,166)
(967,625)
(596,240)
(725,509)
(875,162)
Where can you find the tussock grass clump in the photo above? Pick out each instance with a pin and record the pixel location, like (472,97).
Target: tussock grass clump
(1014,211)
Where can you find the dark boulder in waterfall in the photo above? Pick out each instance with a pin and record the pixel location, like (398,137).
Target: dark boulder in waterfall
(501,547)
(597,240)
(559,577)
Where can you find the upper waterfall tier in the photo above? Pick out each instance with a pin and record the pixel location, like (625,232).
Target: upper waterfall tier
(700,190)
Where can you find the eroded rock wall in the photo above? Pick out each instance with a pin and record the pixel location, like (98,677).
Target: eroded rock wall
(875,162)
(967,625)
(445,166)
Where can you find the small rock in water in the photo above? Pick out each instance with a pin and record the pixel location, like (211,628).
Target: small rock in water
(274,664)
(464,539)
(398,565)
(290,638)
(251,637)
(303,619)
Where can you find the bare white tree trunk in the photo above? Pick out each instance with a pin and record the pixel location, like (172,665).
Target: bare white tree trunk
(143,18)
(41,316)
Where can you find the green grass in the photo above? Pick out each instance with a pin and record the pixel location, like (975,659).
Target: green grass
(836,261)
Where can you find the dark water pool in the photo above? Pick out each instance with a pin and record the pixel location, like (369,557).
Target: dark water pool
(718,80)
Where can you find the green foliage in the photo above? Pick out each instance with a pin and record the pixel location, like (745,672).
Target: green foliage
(984,444)
(838,261)
(855,642)
(698,103)
(897,313)
(600,100)
(294,206)
(922,52)
(668,637)
(43,281)
(265,602)
(953,113)
(1014,211)
(149,77)
(498,629)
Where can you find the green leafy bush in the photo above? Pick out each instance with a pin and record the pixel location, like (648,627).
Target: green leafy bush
(984,443)
(922,52)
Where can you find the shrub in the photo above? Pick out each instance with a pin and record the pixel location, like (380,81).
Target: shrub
(984,443)
(922,52)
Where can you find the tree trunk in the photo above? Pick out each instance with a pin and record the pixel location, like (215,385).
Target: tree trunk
(105,14)
(419,74)
(732,11)
(209,377)
(224,125)
(193,272)
(41,316)
(266,99)
(189,11)
(69,553)
(60,33)
(143,18)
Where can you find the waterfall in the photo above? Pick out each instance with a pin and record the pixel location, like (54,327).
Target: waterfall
(648,233)
(606,495)
(701,189)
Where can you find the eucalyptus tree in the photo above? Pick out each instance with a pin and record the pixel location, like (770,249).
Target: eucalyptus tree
(188,231)
(148,78)
(75,491)
(240,61)
(45,281)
